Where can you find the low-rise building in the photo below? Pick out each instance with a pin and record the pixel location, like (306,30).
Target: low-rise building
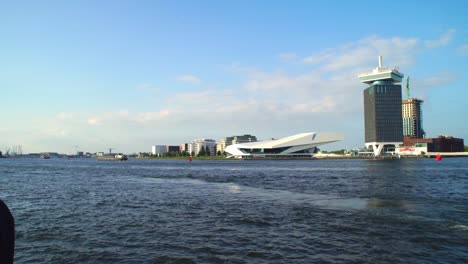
(198,144)
(158,150)
(227,141)
(438,144)
(172,148)
(222,144)
(183,147)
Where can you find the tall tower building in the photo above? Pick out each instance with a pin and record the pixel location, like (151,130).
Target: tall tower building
(412,118)
(382,109)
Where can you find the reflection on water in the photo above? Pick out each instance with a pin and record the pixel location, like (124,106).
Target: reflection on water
(382,203)
(146,211)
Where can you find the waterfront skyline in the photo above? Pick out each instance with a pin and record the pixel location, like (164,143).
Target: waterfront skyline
(129,76)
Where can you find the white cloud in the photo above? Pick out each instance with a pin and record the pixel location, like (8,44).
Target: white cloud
(443,40)
(189,79)
(364,53)
(322,56)
(324,95)
(266,98)
(55,132)
(64,116)
(161,115)
(93,121)
(439,79)
(332,85)
(108,117)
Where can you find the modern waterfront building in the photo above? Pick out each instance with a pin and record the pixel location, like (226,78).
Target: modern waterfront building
(300,145)
(412,118)
(382,109)
(158,150)
(198,144)
(227,141)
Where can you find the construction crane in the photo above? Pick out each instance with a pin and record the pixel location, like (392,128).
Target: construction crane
(407,89)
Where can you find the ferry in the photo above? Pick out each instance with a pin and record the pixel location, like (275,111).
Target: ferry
(111,156)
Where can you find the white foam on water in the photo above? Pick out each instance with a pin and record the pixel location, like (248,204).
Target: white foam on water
(460,227)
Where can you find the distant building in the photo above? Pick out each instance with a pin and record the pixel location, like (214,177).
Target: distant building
(158,150)
(197,144)
(227,141)
(142,154)
(183,147)
(244,139)
(438,144)
(412,118)
(382,109)
(222,144)
(172,148)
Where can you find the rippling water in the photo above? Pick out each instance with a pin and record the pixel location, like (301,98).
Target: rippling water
(152,211)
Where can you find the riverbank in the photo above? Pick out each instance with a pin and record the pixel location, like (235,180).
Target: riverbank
(328,156)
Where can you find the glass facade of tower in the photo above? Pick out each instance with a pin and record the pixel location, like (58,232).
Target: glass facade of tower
(383,112)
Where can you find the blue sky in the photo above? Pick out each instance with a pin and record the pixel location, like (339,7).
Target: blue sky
(131,74)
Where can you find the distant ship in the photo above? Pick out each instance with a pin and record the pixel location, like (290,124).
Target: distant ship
(111,156)
(45,156)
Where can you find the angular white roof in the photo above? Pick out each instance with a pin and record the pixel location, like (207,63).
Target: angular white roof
(298,142)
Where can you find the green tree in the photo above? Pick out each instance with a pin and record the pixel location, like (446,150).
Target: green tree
(207,151)
(466,148)
(202,152)
(341,151)
(218,153)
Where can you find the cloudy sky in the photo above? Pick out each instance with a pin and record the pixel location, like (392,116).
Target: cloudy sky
(131,74)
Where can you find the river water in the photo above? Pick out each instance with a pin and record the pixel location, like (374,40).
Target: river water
(169,211)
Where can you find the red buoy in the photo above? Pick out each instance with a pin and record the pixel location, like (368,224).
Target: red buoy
(438,157)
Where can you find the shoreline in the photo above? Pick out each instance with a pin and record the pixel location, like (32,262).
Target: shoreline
(319,157)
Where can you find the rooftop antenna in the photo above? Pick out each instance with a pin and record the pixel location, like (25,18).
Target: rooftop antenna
(407,89)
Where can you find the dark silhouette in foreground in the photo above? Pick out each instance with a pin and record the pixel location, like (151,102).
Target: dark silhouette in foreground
(7,234)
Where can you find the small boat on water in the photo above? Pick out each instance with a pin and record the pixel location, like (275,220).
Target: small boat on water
(111,156)
(45,156)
